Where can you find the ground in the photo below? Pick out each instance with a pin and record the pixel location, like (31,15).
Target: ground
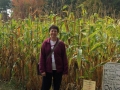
(7,86)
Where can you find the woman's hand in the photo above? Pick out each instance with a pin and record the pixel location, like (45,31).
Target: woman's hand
(43,74)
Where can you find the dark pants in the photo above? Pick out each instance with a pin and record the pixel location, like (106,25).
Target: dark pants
(54,77)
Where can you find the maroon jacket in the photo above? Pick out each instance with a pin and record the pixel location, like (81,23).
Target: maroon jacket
(59,54)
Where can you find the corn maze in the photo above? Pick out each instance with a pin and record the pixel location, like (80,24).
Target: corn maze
(90,42)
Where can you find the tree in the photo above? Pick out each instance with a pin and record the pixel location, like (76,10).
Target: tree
(106,7)
(56,5)
(4,5)
(24,8)
(114,4)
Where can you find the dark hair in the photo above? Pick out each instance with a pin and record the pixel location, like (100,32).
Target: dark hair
(54,27)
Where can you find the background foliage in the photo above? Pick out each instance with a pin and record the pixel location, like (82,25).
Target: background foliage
(23,8)
(4,5)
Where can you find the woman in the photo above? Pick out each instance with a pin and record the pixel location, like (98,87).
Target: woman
(53,66)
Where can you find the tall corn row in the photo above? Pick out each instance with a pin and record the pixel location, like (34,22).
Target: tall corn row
(90,42)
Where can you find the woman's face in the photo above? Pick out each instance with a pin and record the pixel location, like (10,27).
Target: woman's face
(53,33)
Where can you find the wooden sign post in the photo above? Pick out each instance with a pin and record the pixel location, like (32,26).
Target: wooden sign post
(111,76)
(89,85)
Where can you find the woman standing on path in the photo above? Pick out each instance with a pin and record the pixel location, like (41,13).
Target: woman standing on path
(54,65)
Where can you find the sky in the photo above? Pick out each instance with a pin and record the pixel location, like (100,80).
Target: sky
(9,12)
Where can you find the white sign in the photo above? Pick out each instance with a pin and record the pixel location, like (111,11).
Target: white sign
(89,85)
(111,76)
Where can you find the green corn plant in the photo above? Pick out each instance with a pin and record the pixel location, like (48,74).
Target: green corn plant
(90,43)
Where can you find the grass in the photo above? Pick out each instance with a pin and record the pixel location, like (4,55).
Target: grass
(8,86)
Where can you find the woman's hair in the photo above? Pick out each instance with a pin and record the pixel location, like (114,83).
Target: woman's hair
(54,27)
